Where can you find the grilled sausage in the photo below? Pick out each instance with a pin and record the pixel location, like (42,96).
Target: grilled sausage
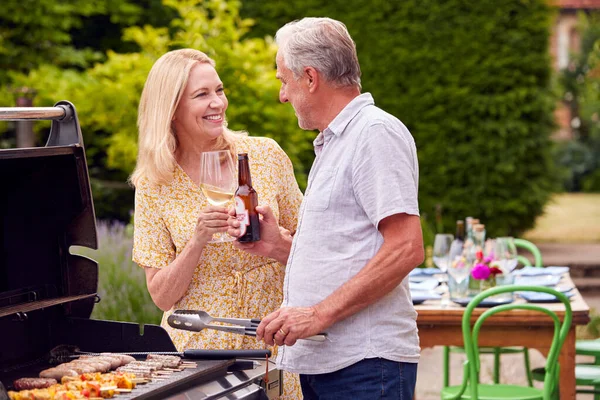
(125,359)
(57,373)
(80,368)
(33,383)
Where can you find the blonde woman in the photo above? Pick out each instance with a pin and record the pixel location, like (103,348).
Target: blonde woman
(182,114)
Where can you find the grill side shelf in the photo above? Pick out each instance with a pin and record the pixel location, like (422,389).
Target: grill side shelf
(23,309)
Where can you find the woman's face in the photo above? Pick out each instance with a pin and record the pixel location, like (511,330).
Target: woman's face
(201,111)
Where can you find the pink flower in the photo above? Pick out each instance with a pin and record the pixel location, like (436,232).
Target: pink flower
(480,271)
(488,259)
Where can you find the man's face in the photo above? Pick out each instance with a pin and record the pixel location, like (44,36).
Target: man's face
(296,93)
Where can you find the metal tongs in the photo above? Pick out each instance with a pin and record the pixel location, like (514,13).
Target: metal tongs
(193,320)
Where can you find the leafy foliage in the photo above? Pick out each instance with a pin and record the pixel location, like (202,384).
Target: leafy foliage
(121,285)
(471,80)
(580,83)
(106,95)
(36,32)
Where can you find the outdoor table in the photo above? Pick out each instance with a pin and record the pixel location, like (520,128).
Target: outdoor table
(442,327)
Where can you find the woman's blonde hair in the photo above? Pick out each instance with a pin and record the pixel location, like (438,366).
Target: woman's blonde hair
(157,140)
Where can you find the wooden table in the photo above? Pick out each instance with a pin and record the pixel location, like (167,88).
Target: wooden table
(442,327)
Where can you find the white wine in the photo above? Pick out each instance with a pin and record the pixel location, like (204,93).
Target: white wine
(216,196)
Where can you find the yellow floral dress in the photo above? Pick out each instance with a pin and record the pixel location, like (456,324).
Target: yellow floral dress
(227,282)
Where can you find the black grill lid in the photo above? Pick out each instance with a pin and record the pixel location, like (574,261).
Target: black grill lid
(46,207)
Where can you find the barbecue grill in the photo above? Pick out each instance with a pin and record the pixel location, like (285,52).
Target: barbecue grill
(47,294)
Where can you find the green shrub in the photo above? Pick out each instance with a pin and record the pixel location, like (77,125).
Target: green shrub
(579,83)
(122,284)
(471,80)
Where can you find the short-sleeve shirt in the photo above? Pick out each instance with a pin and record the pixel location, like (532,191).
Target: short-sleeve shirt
(227,282)
(365,170)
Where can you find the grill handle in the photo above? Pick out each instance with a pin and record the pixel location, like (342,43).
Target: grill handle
(33,113)
(65,130)
(225,354)
(198,354)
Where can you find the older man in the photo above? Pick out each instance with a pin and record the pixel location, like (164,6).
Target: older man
(358,235)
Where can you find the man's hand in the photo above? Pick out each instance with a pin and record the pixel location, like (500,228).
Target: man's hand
(275,241)
(288,324)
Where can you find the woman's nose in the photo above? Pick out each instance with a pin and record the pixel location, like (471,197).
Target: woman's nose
(216,102)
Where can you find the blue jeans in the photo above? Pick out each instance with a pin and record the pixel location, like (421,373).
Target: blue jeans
(371,378)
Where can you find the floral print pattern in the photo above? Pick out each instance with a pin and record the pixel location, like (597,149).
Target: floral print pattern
(227,282)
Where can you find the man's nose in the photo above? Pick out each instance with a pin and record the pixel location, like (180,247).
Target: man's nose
(282,96)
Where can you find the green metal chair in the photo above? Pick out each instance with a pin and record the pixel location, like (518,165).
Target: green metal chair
(498,351)
(589,373)
(532,248)
(471,388)
(585,374)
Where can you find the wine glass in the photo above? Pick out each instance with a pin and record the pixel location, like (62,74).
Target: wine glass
(441,257)
(218,183)
(505,254)
(441,250)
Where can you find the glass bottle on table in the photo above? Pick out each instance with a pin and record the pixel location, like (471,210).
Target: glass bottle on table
(456,248)
(469,227)
(246,200)
(479,237)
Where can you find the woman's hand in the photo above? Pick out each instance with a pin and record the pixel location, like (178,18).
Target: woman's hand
(212,219)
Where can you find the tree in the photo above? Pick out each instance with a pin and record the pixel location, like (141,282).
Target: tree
(580,84)
(471,80)
(38,32)
(106,95)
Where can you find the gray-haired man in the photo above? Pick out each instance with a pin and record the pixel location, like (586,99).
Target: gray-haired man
(358,235)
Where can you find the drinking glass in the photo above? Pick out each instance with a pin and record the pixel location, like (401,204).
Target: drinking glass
(218,183)
(459,270)
(441,257)
(505,254)
(441,250)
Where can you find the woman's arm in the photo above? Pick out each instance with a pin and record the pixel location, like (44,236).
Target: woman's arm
(168,284)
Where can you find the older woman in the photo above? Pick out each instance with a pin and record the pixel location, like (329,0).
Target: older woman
(181,115)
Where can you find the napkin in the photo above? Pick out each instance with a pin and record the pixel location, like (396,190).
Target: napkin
(428,284)
(538,280)
(419,296)
(536,271)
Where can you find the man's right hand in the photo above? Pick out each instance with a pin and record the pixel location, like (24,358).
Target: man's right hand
(275,241)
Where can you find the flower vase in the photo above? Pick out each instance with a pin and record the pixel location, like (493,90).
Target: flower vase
(477,286)
(487,283)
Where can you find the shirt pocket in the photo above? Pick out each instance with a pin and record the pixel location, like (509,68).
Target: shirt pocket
(319,195)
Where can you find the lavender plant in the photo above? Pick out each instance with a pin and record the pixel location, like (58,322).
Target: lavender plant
(122,283)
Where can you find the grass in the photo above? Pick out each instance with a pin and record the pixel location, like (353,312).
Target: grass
(569,218)
(122,284)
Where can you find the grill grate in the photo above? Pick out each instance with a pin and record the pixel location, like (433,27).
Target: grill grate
(180,380)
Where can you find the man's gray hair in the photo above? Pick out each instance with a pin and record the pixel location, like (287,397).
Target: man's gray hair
(321,43)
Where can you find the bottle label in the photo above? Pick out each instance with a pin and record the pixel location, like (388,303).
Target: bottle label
(241,214)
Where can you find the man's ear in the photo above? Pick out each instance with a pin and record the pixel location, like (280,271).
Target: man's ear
(312,77)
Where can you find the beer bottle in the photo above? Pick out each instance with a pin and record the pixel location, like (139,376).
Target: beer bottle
(246,201)
(458,244)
